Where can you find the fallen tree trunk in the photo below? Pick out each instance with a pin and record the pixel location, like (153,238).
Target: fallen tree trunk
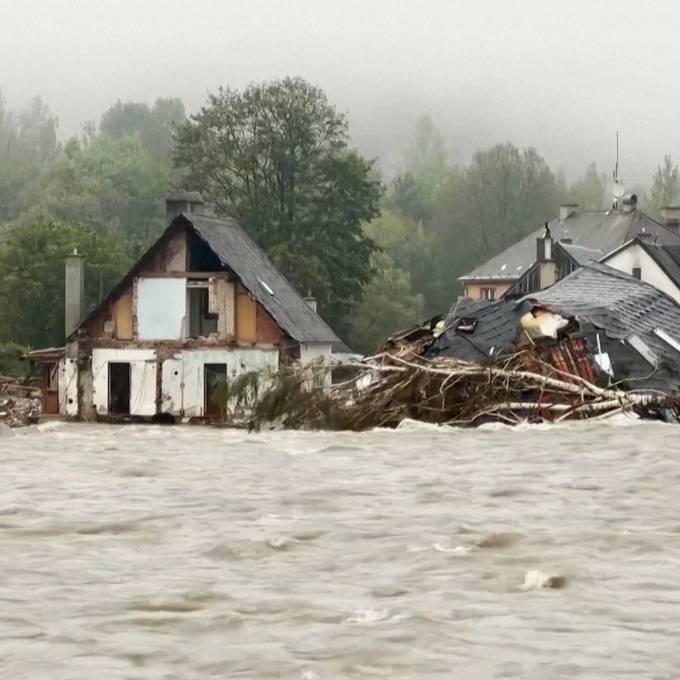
(394,387)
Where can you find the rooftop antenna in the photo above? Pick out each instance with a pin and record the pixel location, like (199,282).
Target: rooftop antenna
(618,189)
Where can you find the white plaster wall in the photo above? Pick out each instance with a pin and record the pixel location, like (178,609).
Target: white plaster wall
(635,256)
(313,351)
(142,379)
(68,387)
(172,387)
(183,394)
(161,308)
(316,353)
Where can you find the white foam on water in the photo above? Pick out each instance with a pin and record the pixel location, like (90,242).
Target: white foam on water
(367,616)
(438,547)
(309,674)
(535,579)
(458,550)
(410,425)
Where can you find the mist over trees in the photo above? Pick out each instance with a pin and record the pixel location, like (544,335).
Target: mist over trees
(379,253)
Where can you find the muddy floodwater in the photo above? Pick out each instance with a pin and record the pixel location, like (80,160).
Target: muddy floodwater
(192,553)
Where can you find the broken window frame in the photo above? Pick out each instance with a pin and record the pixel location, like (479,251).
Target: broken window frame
(667,338)
(207,320)
(635,342)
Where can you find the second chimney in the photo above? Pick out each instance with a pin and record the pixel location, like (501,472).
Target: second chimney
(567,209)
(182,203)
(670,215)
(74,291)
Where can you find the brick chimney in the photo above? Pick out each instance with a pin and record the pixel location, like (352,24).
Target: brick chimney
(568,209)
(544,245)
(670,215)
(547,267)
(183,203)
(74,291)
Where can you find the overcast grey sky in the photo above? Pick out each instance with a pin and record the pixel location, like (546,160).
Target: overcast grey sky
(560,75)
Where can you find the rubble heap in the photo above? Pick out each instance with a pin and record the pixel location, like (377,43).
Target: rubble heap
(519,388)
(394,386)
(20,404)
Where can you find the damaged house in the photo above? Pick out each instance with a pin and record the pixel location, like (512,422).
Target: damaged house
(597,323)
(201,307)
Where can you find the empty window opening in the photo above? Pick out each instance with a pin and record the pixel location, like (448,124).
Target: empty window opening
(637,272)
(215,388)
(201,322)
(119,388)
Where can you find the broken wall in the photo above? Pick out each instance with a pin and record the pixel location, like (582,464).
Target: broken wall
(183,376)
(142,379)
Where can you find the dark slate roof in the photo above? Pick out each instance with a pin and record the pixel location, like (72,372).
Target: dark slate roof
(495,331)
(237,251)
(602,230)
(620,306)
(580,254)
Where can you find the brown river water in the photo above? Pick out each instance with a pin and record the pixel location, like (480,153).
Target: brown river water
(187,552)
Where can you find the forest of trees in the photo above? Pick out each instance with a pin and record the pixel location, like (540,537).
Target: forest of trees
(379,253)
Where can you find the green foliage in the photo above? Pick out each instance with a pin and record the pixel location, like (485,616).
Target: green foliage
(32,262)
(110,182)
(28,142)
(10,360)
(276,157)
(444,220)
(388,305)
(590,190)
(665,186)
(153,126)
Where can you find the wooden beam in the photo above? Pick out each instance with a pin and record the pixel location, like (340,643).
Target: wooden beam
(187,275)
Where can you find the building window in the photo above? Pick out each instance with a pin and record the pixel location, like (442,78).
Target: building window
(487,293)
(637,273)
(201,322)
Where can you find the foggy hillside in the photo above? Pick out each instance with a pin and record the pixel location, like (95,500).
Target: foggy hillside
(559,76)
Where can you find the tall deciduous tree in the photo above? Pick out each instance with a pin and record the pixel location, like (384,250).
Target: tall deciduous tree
(388,305)
(32,265)
(154,126)
(110,182)
(665,186)
(590,189)
(28,142)
(276,157)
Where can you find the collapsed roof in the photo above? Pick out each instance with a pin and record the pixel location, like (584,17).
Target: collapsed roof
(637,325)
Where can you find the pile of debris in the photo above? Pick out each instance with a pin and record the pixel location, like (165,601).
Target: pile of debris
(20,403)
(597,343)
(519,388)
